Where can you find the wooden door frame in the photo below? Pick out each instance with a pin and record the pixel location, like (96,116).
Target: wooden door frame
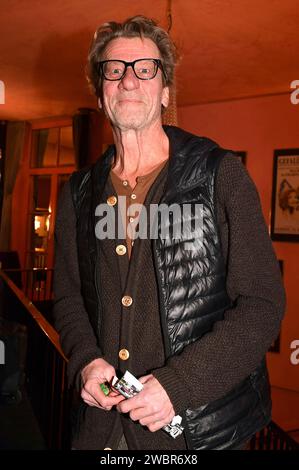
(21,194)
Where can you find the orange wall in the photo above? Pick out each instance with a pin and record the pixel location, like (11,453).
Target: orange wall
(258,126)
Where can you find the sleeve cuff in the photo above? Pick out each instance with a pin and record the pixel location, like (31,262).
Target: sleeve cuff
(177,390)
(74,370)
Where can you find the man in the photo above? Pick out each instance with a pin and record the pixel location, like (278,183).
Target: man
(191,316)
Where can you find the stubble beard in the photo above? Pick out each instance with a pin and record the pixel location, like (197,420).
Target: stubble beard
(131,119)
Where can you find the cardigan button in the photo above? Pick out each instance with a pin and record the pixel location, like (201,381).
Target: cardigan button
(121,250)
(127,300)
(124,354)
(112,200)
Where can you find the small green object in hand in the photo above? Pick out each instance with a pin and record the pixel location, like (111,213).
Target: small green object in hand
(105,389)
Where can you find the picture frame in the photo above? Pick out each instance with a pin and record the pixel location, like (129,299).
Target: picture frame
(284,224)
(242,155)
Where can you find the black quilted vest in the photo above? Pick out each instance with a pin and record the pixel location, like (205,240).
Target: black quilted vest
(191,282)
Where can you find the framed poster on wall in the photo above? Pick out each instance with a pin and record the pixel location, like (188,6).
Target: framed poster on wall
(285,196)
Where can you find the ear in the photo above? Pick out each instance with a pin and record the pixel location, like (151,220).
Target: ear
(99,103)
(165,96)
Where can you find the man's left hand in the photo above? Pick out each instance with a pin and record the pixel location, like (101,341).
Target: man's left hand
(151,407)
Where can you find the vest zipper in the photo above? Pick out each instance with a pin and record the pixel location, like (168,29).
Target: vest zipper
(167,345)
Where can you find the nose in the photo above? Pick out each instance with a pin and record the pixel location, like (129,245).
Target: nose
(129,80)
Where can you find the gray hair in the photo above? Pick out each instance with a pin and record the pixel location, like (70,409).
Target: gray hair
(137,26)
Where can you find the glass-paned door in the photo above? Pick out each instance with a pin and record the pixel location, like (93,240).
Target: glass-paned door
(50,163)
(44,194)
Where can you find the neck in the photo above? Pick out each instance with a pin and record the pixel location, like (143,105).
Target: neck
(139,151)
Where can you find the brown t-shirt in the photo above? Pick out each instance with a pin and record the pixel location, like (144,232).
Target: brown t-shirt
(133,197)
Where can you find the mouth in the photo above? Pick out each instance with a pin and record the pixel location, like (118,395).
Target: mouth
(129,100)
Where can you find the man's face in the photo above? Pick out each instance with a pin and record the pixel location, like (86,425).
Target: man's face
(131,103)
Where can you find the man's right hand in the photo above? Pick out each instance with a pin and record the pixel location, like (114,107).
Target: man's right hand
(95,373)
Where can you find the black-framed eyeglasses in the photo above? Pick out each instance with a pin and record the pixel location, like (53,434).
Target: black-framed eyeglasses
(144,69)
